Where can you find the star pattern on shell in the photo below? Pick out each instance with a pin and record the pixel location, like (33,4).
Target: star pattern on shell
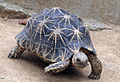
(41,25)
(75,32)
(56,28)
(57,32)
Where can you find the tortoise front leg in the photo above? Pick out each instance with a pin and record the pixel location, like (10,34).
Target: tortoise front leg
(57,67)
(16,52)
(96,66)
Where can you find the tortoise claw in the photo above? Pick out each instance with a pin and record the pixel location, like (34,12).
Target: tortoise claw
(94,76)
(13,54)
(49,71)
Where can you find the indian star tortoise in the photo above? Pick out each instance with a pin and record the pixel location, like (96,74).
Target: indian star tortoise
(59,37)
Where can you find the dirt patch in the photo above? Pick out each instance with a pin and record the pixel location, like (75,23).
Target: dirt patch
(31,69)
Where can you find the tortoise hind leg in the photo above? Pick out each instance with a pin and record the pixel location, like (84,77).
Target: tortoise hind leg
(96,66)
(16,52)
(57,67)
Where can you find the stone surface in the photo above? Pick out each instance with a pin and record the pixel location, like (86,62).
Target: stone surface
(11,11)
(95,25)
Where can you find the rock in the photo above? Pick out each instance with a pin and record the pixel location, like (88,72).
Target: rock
(13,11)
(94,25)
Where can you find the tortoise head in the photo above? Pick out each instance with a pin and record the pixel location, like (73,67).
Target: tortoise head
(80,60)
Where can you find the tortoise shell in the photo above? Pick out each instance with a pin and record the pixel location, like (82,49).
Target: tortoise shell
(55,35)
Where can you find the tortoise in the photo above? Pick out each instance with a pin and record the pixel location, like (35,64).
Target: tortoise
(59,37)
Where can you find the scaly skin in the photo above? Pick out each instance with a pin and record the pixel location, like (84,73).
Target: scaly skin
(57,67)
(96,64)
(16,52)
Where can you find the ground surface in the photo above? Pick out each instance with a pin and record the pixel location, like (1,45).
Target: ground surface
(31,69)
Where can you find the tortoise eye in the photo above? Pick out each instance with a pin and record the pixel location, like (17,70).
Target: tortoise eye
(78,60)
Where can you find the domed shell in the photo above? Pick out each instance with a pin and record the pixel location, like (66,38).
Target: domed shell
(55,35)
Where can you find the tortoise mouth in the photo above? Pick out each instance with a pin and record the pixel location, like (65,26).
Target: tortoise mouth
(80,64)
(84,65)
